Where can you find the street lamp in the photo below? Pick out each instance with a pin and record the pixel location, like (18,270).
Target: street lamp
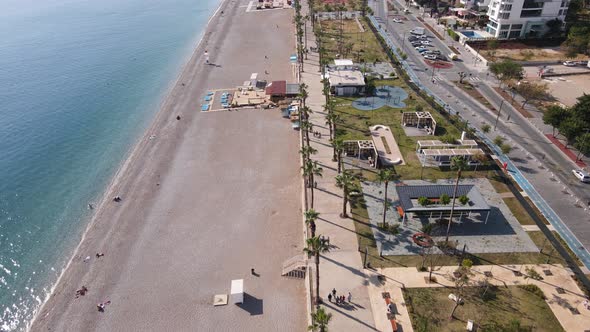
(498,117)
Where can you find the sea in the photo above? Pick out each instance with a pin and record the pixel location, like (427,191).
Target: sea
(80,81)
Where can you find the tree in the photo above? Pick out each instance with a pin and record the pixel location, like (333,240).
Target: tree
(506,70)
(311,216)
(481,159)
(554,115)
(306,152)
(314,247)
(459,164)
(311,169)
(581,110)
(331,119)
(384,176)
(531,91)
(305,128)
(492,46)
(571,128)
(320,320)
(345,181)
(303,93)
(554,28)
(582,144)
(338,146)
(578,38)
(423,200)
(463,199)
(461,279)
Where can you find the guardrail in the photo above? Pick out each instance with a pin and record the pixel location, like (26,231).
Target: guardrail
(567,235)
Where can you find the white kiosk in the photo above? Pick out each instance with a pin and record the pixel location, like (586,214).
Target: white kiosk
(237,291)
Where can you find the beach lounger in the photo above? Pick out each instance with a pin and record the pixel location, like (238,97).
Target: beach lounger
(205,107)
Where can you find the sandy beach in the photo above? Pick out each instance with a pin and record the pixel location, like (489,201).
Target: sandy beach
(204,199)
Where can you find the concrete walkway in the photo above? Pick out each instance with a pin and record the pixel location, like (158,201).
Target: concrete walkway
(342,267)
(561,301)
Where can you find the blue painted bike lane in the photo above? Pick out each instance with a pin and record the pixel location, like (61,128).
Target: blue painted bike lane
(565,233)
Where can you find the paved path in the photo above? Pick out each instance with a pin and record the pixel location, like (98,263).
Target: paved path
(396,278)
(342,267)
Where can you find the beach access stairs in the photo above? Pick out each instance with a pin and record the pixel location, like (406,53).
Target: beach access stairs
(295,267)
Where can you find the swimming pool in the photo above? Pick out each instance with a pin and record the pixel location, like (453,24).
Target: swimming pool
(470,34)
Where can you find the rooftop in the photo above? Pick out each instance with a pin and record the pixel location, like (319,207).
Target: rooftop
(408,197)
(346,77)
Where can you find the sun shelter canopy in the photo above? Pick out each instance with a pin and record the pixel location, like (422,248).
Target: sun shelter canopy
(277,88)
(409,195)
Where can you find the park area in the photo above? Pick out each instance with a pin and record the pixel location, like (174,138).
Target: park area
(344,39)
(509,308)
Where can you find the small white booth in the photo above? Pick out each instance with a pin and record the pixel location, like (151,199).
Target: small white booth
(237,291)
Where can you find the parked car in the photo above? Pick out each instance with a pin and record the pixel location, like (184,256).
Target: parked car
(421,49)
(430,56)
(569,63)
(581,175)
(425,42)
(397,20)
(441,57)
(422,37)
(582,63)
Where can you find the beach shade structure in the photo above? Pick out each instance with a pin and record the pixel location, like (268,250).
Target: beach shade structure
(205,107)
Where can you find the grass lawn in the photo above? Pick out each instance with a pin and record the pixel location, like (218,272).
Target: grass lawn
(356,45)
(519,212)
(503,306)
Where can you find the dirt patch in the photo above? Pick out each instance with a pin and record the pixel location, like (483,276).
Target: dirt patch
(520,52)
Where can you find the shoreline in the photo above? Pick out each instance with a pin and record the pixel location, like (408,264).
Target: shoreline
(122,230)
(128,162)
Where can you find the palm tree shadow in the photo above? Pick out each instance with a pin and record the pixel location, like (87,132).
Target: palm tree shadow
(252,305)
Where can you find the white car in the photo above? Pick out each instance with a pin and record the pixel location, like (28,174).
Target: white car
(430,56)
(425,42)
(397,20)
(581,175)
(569,63)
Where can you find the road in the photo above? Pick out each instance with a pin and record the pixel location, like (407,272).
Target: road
(542,165)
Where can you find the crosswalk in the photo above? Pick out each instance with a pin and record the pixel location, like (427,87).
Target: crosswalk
(475,79)
(438,78)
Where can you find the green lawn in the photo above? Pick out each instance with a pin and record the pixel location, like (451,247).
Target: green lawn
(356,45)
(523,217)
(430,309)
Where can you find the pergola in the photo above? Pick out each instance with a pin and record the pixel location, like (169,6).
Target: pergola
(362,150)
(438,153)
(421,120)
(409,196)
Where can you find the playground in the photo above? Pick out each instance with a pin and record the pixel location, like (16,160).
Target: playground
(385,95)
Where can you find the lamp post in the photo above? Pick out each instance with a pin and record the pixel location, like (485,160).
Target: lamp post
(498,117)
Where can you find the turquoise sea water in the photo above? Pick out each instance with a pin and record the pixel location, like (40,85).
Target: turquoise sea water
(79,82)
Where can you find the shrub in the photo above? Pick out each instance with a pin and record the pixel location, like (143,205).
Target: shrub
(422,200)
(533,289)
(533,274)
(499,140)
(463,199)
(419,108)
(389,228)
(486,128)
(444,199)
(427,229)
(505,148)
(450,139)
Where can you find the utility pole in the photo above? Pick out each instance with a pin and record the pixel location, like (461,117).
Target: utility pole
(498,117)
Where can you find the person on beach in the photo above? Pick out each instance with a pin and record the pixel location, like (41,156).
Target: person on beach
(334,292)
(349,297)
(206,57)
(99,254)
(330,297)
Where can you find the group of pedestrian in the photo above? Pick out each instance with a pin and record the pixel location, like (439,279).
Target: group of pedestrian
(317,134)
(339,299)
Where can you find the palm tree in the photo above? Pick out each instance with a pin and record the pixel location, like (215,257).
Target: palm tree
(345,181)
(310,170)
(331,118)
(303,93)
(306,152)
(310,217)
(320,320)
(458,163)
(338,146)
(306,127)
(314,247)
(384,176)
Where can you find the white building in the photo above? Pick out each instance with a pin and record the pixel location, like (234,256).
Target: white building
(523,18)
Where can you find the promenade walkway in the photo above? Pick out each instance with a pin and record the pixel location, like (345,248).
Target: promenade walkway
(563,294)
(342,267)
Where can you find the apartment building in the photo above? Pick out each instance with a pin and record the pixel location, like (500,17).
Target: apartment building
(523,18)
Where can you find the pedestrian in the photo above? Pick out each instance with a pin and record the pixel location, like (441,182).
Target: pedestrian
(206,57)
(342,299)
(349,297)
(334,292)
(330,297)
(253,271)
